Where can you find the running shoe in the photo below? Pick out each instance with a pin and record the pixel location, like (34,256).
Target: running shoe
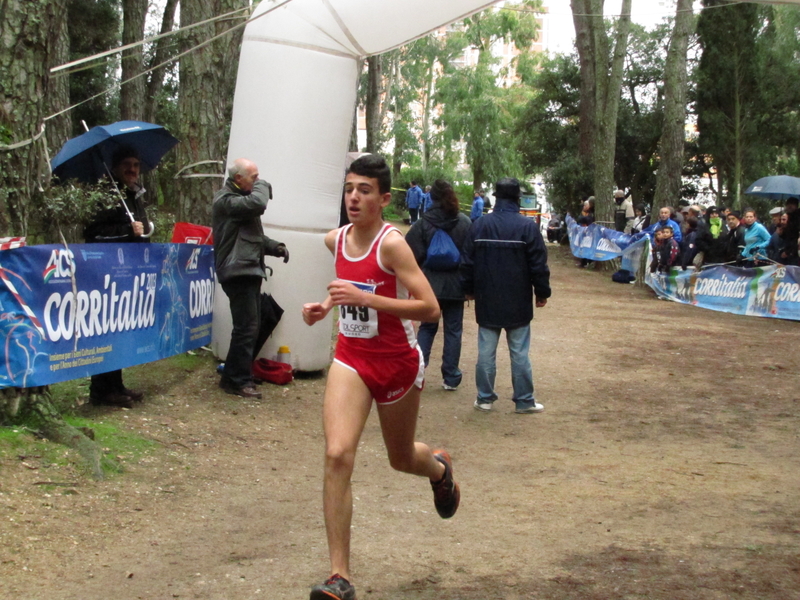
(446,494)
(449,388)
(482,406)
(336,587)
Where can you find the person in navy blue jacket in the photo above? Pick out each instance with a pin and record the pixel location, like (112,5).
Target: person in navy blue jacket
(664,214)
(504,267)
(413,201)
(427,201)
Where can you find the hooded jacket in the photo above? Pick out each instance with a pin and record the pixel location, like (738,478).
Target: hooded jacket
(446,284)
(239,240)
(503,265)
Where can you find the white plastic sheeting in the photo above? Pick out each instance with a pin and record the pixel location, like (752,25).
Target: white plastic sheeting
(292,114)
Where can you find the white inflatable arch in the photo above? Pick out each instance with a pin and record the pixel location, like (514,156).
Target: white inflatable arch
(292,114)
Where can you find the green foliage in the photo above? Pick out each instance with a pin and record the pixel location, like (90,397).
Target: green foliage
(739,119)
(66,209)
(19,440)
(547,132)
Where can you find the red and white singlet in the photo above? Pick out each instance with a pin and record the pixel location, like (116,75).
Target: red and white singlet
(380,347)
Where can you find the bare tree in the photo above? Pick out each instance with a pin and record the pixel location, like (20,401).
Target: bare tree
(27,52)
(131,100)
(673,136)
(31,32)
(160,54)
(373,103)
(205,101)
(601,81)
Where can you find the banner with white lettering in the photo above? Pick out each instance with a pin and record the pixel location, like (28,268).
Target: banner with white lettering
(596,242)
(67,313)
(772,291)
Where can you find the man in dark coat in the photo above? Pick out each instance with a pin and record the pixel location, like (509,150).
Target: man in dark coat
(239,249)
(122,223)
(504,266)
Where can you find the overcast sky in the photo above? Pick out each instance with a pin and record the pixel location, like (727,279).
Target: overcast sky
(559,32)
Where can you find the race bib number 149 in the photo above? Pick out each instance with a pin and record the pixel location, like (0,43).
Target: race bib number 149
(359,321)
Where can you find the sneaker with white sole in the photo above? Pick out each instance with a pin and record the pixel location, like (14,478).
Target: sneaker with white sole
(449,388)
(526,410)
(482,406)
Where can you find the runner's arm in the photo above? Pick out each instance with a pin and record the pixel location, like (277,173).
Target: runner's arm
(316,311)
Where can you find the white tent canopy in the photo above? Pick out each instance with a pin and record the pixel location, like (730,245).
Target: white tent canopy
(292,114)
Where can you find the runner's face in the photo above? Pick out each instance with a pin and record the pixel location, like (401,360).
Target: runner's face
(733,222)
(363,199)
(749,218)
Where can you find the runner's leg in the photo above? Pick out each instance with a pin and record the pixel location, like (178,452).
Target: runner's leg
(345,410)
(399,424)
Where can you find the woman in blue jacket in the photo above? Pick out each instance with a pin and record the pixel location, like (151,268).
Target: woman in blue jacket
(756,239)
(446,283)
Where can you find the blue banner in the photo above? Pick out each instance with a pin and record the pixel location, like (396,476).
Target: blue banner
(72,312)
(772,291)
(596,242)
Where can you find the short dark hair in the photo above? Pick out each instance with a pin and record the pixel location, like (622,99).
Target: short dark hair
(122,153)
(374,166)
(792,200)
(665,228)
(735,213)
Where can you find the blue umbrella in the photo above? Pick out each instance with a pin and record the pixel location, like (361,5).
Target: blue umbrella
(88,156)
(775,187)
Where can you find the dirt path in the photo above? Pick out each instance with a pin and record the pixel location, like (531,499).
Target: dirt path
(664,466)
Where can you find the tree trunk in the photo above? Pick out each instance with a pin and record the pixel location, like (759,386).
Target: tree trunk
(584,43)
(207,83)
(131,99)
(373,104)
(601,77)
(27,51)
(426,114)
(162,52)
(58,128)
(353,146)
(34,404)
(673,134)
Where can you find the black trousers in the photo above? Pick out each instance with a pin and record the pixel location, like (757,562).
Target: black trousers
(106,383)
(244,295)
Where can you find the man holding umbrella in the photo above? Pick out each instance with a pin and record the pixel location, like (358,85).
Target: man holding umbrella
(116,224)
(125,222)
(119,152)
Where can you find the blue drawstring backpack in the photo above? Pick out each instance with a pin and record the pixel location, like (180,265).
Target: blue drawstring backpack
(442,252)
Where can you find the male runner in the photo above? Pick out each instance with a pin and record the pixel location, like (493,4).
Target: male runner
(379,290)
